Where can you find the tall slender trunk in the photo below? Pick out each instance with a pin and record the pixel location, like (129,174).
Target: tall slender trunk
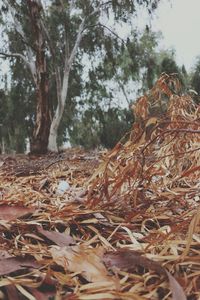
(62,90)
(39,140)
(52,145)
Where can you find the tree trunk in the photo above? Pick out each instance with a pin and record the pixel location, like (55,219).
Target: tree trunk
(52,145)
(62,93)
(39,140)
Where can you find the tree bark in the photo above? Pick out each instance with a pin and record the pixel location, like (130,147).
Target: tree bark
(39,140)
(62,92)
(52,143)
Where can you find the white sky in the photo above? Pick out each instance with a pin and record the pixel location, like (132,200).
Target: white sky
(179,22)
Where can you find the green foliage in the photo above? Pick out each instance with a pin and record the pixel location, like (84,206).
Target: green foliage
(17,106)
(195,81)
(102,59)
(115,123)
(169,66)
(101,128)
(12,135)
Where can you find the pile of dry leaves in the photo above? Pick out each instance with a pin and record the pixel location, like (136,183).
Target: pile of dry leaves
(129,230)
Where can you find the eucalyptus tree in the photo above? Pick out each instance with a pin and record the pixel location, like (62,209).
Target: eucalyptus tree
(54,36)
(119,75)
(195,81)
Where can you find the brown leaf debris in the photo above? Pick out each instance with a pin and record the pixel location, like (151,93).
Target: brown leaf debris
(128,225)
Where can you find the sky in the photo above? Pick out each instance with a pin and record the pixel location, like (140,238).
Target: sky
(179,22)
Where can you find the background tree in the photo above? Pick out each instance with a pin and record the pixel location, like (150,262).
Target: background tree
(195,81)
(53,42)
(4,132)
(101,128)
(104,117)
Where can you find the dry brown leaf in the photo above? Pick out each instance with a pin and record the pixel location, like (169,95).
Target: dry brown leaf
(177,290)
(44,295)
(85,261)
(11,292)
(12,264)
(147,191)
(9,213)
(61,239)
(129,260)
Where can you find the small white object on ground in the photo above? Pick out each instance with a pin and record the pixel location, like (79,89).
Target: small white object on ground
(63,186)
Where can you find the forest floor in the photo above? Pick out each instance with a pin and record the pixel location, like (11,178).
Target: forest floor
(122,224)
(34,204)
(54,247)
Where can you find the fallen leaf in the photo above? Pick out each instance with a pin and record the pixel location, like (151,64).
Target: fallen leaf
(84,260)
(61,239)
(13,264)
(4,254)
(177,290)
(44,295)
(9,213)
(129,259)
(12,292)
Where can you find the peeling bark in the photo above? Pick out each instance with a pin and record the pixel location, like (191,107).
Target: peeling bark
(39,140)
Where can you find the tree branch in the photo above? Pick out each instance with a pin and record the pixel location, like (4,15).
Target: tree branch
(107,28)
(99,7)
(76,45)
(19,55)
(123,91)
(18,27)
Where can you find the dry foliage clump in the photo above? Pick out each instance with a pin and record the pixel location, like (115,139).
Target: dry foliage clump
(129,230)
(160,161)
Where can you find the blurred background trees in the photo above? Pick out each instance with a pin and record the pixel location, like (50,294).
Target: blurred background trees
(109,71)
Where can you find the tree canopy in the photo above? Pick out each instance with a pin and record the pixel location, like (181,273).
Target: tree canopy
(69,67)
